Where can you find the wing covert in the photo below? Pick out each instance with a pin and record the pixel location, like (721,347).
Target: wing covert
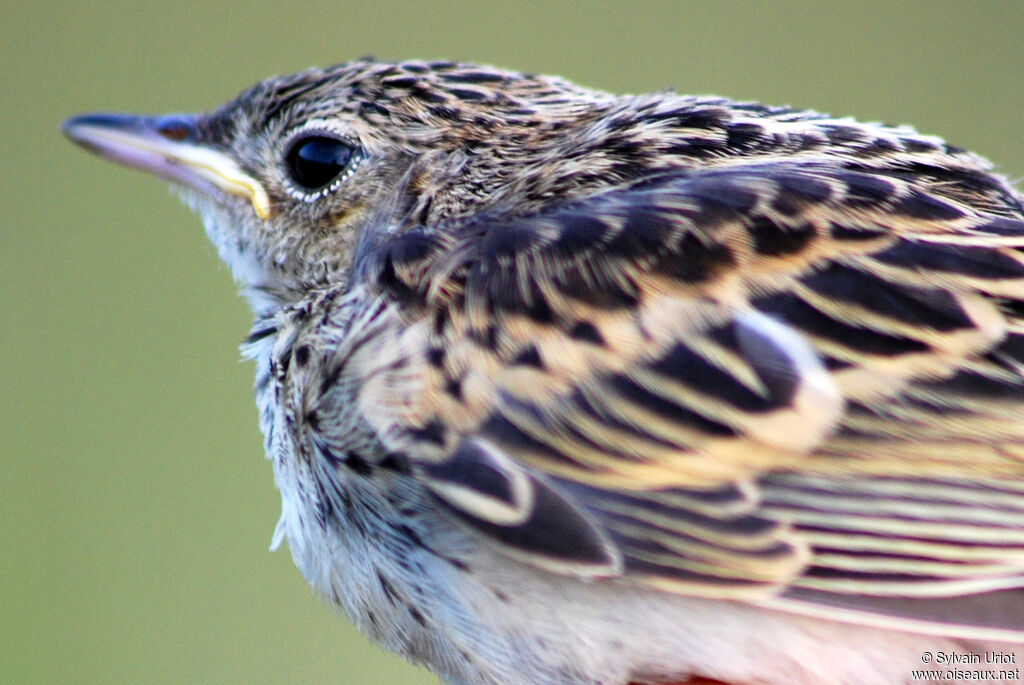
(651,355)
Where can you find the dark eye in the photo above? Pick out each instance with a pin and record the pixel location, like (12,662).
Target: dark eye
(315,161)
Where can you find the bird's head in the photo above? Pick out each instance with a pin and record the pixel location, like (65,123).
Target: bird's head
(299,173)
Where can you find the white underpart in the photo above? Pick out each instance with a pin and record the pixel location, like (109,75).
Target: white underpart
(247,268)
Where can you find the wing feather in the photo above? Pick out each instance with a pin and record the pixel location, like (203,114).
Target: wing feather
(751,380)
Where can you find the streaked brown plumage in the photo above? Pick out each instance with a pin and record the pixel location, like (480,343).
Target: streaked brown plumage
(535,358)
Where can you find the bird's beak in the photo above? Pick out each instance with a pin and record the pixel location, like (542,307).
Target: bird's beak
(166,146)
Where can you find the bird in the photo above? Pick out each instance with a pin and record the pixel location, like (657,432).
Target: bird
(565,387)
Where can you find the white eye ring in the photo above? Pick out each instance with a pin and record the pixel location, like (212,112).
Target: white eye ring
(317,160)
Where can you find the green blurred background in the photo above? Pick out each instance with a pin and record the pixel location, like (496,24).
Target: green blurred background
(135,504)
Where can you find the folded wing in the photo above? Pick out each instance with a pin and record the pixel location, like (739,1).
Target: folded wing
(741,382)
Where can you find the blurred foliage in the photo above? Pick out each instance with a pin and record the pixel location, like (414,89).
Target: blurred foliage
(135,506)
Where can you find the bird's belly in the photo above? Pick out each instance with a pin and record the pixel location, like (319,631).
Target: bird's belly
(477,617)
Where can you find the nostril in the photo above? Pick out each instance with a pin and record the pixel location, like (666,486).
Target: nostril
(175,127)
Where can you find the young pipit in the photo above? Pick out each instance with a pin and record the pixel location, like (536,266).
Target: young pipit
(564,387)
